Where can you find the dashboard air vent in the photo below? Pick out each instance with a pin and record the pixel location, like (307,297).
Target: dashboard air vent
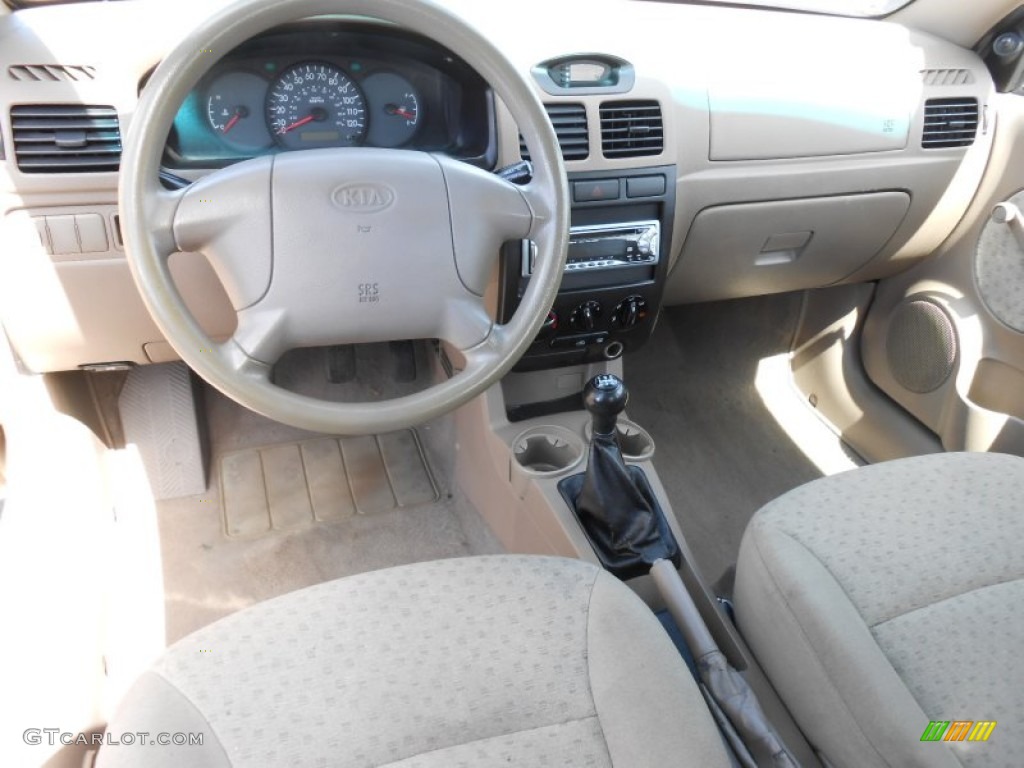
(65,138)
(631,128)
(947,76)
(50,72)
(949,123)
(570,124)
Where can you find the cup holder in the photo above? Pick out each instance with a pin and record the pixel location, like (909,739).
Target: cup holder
(547,450)
(635,442)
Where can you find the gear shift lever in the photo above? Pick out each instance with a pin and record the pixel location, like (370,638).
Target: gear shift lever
(613,502)
(605,397)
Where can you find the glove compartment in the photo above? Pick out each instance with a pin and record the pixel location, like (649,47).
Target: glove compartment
(746,249)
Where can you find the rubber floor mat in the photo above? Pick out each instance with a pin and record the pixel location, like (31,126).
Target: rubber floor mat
(292,485)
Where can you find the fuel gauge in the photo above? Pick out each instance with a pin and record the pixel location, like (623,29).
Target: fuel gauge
(234,107)
(394,109)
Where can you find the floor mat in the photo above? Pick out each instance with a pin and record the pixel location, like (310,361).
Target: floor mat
(719,452)
(309,509)
(288,486)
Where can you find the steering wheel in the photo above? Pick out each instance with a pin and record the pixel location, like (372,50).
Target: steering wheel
(347,245)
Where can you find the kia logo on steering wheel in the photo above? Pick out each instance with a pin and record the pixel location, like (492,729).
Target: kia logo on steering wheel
(363,198)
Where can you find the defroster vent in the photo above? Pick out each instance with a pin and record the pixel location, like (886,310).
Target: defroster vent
(51,72)
(66,138)
(570,124)
(631,128)
(949,123)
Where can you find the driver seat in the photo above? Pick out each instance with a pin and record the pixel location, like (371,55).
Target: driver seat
(477,661)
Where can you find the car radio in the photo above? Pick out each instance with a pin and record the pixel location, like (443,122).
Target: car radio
(615,270)
(605,246)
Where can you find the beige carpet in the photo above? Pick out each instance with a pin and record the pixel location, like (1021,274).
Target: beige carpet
(287,509)
(719,452)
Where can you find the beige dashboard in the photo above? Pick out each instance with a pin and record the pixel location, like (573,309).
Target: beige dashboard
(798,144)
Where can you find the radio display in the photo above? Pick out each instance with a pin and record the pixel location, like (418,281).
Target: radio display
(598,248)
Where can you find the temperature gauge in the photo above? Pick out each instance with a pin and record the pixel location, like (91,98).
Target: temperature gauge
(234,107)
(394,108)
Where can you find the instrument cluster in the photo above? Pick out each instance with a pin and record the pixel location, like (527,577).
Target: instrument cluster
(325,86)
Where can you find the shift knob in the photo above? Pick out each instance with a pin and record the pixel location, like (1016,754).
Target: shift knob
(605,398)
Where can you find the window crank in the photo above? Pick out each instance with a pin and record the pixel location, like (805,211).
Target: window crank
(1010,215)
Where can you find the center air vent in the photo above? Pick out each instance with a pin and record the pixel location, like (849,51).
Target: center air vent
(631,128)
(66,138)
(570,124)
(949,123)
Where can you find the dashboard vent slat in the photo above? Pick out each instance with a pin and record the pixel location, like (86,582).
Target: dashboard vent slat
(631,128)
(570,124)
(940,77)
(66,138)
(51,72)
(950,123)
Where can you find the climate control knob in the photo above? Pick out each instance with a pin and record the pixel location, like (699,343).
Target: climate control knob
(550,326)
(629,312)
(586,316)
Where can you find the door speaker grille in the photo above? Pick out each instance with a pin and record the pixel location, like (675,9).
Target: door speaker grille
(921,346)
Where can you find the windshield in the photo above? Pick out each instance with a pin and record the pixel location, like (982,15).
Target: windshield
(837,7)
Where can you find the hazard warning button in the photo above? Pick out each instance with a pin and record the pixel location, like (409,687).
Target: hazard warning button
(596,189)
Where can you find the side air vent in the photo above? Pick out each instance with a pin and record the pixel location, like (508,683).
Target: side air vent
(66,138)
(631,128)
(51,72)
(939,77)
(570,124)
(949,123)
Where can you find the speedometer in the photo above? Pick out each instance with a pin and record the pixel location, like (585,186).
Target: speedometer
(316,105)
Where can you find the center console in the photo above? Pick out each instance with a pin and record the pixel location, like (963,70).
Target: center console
(615,272)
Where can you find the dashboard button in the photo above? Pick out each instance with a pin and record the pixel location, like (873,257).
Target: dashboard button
(645,186)
(92,233)
(63,237)
(569,342)
(579,341)
(599,189)
(44,236)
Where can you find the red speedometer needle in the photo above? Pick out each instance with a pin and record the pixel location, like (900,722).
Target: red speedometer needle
(296,124)
(391,109)
(231,123)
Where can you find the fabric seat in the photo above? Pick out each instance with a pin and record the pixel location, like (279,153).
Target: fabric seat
(890,596)
(479,662)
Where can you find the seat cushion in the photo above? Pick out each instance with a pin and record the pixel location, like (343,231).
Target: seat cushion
(890,596)
(477,662)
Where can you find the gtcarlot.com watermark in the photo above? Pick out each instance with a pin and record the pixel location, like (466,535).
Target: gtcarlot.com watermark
(54,736)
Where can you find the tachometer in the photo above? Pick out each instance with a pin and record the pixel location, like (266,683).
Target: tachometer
(234,102)
(394,109)
(316,105)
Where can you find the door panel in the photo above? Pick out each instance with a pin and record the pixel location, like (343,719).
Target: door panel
(945,339)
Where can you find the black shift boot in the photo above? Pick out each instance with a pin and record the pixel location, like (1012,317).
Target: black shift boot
(613,502)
